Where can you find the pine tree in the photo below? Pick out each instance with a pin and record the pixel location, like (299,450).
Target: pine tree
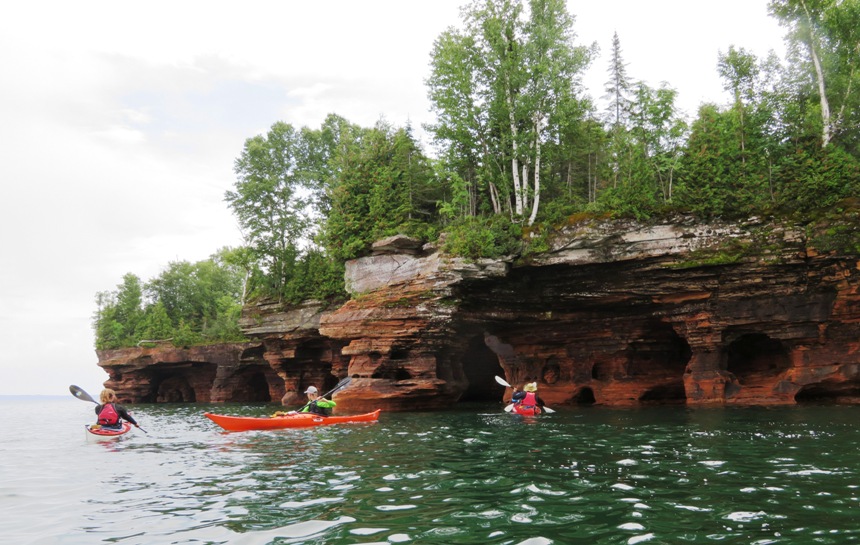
(619,86)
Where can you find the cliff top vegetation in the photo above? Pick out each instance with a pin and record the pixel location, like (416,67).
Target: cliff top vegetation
(518,146)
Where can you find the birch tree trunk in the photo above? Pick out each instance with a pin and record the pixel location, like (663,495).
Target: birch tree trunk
(515,167)
(826,123)
(536,204)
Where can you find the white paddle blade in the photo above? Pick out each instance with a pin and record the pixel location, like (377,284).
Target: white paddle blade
(502,381)
(548,410)
(509,408)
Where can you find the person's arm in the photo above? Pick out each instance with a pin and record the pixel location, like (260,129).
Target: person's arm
(325,403)
(124,414)
(518,396)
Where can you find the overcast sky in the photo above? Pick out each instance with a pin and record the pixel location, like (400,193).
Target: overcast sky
(120,122)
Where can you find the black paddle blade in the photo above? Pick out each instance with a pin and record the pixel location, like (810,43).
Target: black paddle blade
(79,393)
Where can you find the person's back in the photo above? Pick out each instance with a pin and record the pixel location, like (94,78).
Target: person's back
(527,401)
(109,413)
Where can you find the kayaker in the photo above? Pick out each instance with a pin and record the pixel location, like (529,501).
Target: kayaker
(317,404)
(527,401)
(110,413)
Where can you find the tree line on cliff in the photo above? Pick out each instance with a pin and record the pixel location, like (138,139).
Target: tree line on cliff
(518,148)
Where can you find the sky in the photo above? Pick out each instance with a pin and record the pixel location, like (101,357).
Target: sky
(120,123)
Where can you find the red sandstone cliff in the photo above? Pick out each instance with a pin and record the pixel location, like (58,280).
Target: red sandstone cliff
(616,313)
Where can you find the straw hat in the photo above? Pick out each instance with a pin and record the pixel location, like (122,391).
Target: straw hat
(530,387)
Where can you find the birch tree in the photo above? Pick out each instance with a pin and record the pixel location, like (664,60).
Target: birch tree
(824,36)
(498,87)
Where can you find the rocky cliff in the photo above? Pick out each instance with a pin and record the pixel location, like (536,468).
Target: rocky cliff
(613,313)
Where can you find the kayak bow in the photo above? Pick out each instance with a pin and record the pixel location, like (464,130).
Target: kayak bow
(296,420)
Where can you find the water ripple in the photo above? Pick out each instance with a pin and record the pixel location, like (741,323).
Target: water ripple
(666,475)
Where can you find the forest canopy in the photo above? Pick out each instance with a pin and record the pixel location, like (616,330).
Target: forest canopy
(519,146)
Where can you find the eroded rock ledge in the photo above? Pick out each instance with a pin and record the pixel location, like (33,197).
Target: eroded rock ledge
(615,313)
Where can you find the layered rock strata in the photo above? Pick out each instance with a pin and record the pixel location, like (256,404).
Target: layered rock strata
(614,313)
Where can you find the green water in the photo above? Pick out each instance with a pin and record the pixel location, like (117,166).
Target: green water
(471,475)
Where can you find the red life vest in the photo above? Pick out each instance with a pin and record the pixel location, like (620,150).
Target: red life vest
(108,415)
(528,405)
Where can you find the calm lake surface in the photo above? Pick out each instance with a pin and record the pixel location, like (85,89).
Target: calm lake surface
(471,475)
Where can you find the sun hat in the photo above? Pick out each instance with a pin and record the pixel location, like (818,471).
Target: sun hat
(311,390)
(530,387)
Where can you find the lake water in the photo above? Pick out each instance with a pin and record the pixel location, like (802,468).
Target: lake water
(472,475)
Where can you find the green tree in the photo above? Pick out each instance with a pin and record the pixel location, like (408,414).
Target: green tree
(156,324)
(824,36)
(660,132)
(619,87)
(189,292)
(739,70)
(464,131)
(384,186)
(271,199)
(499,88)
(119,314)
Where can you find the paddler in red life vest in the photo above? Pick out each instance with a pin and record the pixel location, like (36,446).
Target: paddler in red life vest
(527,400)
(110,413)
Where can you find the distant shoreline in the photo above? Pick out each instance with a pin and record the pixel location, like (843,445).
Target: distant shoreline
(21,396)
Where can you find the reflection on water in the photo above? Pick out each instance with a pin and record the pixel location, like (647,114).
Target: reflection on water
(474,475)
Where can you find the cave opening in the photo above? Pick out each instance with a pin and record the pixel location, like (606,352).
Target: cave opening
(754,356)
(583,396)
(175,389)
(252,386)
(184,382)
(659,358)
(659,352)
(826,394)
(481,366)
(665,394)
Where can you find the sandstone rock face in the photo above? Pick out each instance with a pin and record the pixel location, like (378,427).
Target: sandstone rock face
(203,374)
(615,313)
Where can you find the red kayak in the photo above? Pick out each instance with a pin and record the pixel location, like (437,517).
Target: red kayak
(294,420)
(526,411)
(100,433)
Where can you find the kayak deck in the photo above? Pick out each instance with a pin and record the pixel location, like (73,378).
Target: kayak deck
(98,433)
(297,420)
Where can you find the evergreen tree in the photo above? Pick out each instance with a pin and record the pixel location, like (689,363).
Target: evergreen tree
(618,87)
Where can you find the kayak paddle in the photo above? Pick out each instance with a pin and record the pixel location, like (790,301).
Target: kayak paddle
(510,407)
(81,394)
(503,382)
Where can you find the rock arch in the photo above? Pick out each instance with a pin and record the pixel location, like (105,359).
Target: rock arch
(183,382)
(253,385)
